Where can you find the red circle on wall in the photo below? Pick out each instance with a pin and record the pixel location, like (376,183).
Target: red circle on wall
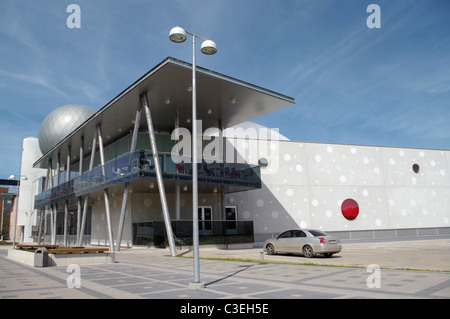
(350,209)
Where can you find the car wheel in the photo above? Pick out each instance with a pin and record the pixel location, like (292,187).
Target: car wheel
(270,249)
(308,251)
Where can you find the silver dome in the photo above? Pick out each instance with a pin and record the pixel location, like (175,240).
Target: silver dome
(60,123)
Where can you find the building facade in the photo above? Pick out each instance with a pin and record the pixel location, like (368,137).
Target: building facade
(123,175)
(353,191)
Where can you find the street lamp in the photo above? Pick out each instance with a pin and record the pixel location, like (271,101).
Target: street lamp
(17,204)
(178,35)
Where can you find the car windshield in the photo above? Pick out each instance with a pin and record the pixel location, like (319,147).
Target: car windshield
(316,233)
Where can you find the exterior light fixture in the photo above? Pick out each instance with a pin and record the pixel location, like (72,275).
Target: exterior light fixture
(209,47)
(178,35)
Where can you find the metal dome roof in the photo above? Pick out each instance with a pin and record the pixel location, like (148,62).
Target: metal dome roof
(60,123)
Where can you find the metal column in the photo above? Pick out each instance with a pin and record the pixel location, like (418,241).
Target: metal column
(195,230)
(80,172)
(66,203)
(177,184)
(162,192)
(52,210)
(105,191)
(86,197)
(46,187)
(126,188)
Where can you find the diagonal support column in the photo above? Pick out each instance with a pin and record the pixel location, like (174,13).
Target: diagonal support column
(105,191)
(79,199)
(162,192)
(86,197)
(126,188)
(47,187)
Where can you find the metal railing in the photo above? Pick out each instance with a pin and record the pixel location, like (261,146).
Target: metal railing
(140,164)
(211,232)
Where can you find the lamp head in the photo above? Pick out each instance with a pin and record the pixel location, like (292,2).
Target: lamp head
(209,47)
(177,35)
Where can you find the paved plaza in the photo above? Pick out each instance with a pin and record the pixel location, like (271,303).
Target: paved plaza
(151,274)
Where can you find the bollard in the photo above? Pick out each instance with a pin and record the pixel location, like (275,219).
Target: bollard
(261,255)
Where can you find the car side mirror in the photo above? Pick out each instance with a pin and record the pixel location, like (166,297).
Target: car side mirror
(277,236)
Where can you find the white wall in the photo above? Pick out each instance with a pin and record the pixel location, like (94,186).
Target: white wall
(27,214)
(306,183)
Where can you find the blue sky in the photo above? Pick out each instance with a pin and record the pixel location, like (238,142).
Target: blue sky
(353,85)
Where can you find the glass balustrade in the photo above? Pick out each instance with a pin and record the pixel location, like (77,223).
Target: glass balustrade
(215,232)
(140,164)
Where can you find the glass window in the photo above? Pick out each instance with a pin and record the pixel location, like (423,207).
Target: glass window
(298,233)
(286,234)
(230,213)
(316,233)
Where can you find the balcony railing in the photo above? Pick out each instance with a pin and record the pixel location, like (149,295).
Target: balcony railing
(140,164)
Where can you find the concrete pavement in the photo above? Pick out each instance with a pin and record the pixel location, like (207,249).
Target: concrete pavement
(408,254)
(142,273)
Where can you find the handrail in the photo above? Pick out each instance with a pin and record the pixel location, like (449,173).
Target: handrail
(139,164)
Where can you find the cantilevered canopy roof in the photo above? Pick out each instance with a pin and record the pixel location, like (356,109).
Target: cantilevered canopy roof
(169,89)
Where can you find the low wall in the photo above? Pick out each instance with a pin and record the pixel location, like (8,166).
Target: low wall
(21,255)
(81,259)
(379,234)
(64,259)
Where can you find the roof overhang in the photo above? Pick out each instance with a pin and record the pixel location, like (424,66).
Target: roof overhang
(220,99)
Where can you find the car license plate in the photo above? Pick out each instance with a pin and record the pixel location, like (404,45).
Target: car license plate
(333,241)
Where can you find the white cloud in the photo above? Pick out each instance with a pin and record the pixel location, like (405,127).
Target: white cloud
(34,79)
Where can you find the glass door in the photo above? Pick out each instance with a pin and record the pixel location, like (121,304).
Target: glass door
(205,219)
(231,218)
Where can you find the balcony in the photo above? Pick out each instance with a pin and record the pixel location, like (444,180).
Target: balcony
(140,164)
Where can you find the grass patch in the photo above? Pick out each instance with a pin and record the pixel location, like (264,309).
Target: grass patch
(309,264)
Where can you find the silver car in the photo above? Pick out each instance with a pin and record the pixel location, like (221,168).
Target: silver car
(307,242)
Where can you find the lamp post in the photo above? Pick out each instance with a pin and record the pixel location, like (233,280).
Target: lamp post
(178,35)
(17,205)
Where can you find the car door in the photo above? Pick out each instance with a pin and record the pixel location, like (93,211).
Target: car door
(297,241)
(283,242)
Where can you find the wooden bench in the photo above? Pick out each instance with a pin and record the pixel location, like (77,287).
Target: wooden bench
(33,247)
(56,249)
(77,250)
(6,242)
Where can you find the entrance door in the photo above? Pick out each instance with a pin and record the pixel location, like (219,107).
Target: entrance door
(231,218)
(205,219)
